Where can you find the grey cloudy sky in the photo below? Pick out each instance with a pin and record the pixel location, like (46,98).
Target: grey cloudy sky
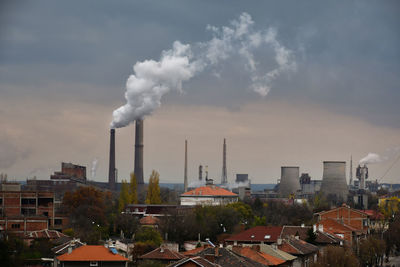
(64,65)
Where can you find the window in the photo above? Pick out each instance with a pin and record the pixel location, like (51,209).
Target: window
(15,226)
(28,212)
(267,237)
(57,221)
(94,263)
(28,201)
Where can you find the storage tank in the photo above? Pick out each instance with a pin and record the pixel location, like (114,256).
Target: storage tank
(290,182)
(334,179)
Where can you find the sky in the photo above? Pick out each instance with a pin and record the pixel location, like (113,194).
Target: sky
(64,68)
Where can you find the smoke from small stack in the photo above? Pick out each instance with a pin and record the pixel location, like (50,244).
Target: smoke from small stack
(111,170)
(94,168)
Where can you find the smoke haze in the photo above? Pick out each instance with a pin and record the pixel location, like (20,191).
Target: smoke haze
(153,79)
(94,168)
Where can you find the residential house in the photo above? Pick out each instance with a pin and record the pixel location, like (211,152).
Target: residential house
(306,253)
(163,255)
(193,262)
(257,255)
(91,256)
(256,235)
(274,251)
(227,258)
(321,238)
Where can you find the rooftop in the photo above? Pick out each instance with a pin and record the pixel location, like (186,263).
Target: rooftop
(162,253)
(268,234)
(91,253)
(209,190)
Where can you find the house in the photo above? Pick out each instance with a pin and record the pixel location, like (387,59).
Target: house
(67,246)
(208,195)
(193,262)
(227,258)
(163,255)
(274,251)
(91,256)
(256,235)
(255,254)
(149,221)
(51,235)
(345,222)
(377,220)
(321,238)
(306,253)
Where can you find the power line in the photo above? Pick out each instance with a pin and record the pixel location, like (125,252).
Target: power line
(391,166)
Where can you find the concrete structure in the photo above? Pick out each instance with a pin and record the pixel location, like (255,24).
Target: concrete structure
(22,212)
(362,175)
(242,177)
(200,173)
(224,178)
(139,152)
(111,169)
(334,180)
(208,195)
(185,178)
(290,183)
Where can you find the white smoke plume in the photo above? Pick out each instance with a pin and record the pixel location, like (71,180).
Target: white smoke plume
(153,79)
(197,183)
(372,158)
(94,168)
(237,185)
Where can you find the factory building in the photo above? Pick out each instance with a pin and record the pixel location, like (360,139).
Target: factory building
(24,211)
(209,195)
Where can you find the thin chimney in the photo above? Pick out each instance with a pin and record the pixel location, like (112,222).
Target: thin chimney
(200,172)
(224,179)
(139,152)
(111,171)
(185,182)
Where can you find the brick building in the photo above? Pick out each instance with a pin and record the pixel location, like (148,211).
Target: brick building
(24,211)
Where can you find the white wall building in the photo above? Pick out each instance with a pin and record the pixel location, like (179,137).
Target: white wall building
(210,195)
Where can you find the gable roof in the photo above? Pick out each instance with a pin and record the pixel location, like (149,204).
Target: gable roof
(63,248)
(162,253)
(267,234)
(258,256)
(46,233)
(275,252)
(198,261)
(321,237)
(363,214)
(91,253)
(334,227)
(297,247)
(149,220)
(210,190)
(226,257)
(195,251)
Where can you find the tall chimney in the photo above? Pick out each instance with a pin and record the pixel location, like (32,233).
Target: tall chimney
(200,173)
(139,152)
(111,171)
(224,179)
(185,181)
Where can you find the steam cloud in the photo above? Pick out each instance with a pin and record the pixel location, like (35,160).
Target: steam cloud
(375,158)
(153,79)
(94,168)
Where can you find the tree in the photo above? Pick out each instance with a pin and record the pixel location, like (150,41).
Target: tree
(126,223)
(392,235)
(148,235)
(390,207)
(153,190)
(371,251)
(133,197)
(311,236)
(244,210)
(336,256)
(124,197)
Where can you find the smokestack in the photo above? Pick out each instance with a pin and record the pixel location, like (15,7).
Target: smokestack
(139,151)
(111,171)
(351,170)
(224,179)
(200,173)
(185,181)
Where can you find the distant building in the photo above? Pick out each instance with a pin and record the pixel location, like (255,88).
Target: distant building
(256,235)
(22,212)
(208,195)
(242,178)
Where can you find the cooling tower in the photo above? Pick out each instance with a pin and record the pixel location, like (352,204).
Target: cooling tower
(139,152)
(290,182)
(334,179)
(111,170)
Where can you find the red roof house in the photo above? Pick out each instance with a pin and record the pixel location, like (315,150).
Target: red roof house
(163,254)
(208,195)
(96,255)
(256,235)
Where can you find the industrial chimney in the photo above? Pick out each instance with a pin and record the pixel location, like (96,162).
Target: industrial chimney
(200,173)
(290,182)
(334,179)
(185,180)
(111,171)
(224,179)
(138,171)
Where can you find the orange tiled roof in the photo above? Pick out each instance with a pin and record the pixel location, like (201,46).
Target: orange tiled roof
(258,234)
(91,253)
(210,190)
(194,251)
(258,256)
(149,220)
